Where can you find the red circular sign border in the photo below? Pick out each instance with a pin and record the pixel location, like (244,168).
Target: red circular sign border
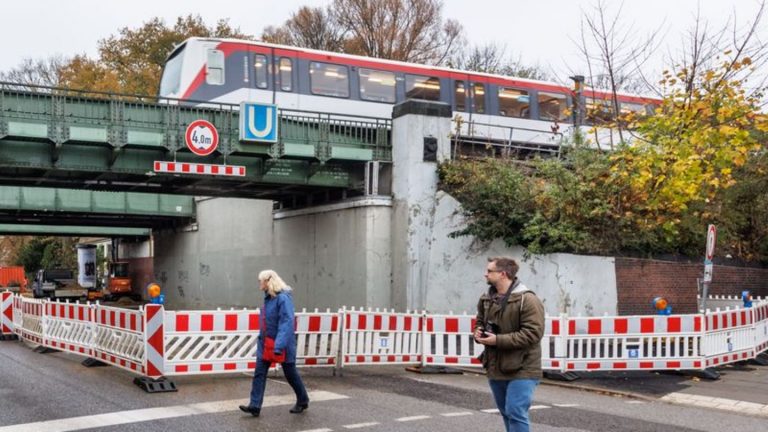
(188,138)
(709,254)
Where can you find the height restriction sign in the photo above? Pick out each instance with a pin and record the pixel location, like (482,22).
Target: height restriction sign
(201,137)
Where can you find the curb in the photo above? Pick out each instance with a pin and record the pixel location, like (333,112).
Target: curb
(600,390)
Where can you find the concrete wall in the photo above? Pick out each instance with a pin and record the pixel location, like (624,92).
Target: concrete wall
(565,283)
(336,255)
(215,262)
(331,255)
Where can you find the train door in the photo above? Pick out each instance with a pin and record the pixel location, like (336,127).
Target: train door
(284,81)
(262,90)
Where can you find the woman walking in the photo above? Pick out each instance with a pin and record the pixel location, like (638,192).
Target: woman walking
(277,329)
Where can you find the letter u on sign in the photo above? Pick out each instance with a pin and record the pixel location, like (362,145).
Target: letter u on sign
(258,122)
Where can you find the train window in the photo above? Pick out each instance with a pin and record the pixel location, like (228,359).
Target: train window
(214,67)
(169,84)
(286,77)
(514,103)
(376,85)
(422,87)
(599,111)
(329,79)
(636,109)
(461,96)
(260,65)
(552,106)
(478,97)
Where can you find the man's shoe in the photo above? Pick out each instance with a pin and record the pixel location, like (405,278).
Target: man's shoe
(251,410)
(299,408)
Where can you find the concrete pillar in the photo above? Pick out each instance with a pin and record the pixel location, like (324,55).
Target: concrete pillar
(420,139)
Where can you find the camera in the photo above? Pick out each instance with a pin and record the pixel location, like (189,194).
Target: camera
(490,328)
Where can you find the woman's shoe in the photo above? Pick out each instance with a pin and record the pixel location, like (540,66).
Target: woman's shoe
(299,408)
(251,410)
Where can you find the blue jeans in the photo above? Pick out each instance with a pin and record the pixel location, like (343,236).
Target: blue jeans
(260,383)
(513,398)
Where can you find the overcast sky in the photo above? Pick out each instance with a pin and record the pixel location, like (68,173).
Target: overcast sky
(537,32)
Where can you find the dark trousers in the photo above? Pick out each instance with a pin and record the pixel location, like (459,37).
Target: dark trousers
(260,383)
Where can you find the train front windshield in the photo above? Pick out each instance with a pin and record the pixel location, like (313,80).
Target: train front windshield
(171,81)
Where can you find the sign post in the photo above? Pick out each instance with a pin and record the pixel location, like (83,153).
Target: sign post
(708,255)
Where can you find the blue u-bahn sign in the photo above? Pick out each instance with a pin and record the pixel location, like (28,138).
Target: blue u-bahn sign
(258,122)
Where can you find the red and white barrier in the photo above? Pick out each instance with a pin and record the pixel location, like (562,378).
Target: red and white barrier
(119,339)
(318,338)
(6,313)
(449,341)
(153,342)
(634,343)
(69,327)
(380,337)
(200,342)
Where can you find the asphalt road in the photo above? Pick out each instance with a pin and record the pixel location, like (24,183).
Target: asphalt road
(55,392)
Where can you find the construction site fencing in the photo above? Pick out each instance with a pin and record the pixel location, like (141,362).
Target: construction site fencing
(152,342)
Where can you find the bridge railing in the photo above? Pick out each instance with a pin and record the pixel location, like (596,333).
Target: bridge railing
(118,120)
(478,139)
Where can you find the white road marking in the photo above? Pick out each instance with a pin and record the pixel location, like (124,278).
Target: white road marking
(142,415)
(360,425)
(566,405)
(637,402)
(743,407)
(318,430)
(413,418)
(536,407)
(491,411)
(456,414)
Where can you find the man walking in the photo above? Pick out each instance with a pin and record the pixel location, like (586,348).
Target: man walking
(510,323)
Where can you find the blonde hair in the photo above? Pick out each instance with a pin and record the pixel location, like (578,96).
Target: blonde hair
(274,283)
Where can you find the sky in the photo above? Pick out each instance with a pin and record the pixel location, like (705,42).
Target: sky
(540,32)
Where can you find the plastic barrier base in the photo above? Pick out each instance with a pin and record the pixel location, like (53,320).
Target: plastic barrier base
(92,362)
(7,337)
(708,373)
(760,360)
(159,385)
(44,350)
(561,376)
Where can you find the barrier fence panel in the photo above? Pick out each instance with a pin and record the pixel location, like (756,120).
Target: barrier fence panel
(634,343)
(729,336)
(317,338)
(380,337)
(119,337)
(199,342)
(554,344)
(449,341)
(760,311)
(6,313)
(30,325)
(69,327)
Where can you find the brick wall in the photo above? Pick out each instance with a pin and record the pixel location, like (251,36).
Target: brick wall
(638,281)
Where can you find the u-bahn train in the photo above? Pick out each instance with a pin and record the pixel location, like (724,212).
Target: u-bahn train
(232,71)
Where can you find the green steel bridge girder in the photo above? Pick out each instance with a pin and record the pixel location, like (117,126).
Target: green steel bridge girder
(73,230)
(34,199)
(70,137)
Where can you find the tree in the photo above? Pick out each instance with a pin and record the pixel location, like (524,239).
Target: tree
(405,30)
(492,58)
(47,253)
(40,72)
(312,28)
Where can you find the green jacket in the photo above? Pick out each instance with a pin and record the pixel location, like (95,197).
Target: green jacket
(517,354)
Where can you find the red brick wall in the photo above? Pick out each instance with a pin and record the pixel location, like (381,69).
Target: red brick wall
(638,281)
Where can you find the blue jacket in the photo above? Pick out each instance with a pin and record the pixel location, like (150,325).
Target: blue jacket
(277,317)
